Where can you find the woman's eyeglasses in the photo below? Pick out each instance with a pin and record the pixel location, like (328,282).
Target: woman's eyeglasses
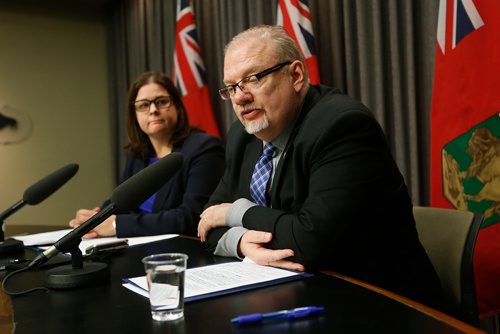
(161,103)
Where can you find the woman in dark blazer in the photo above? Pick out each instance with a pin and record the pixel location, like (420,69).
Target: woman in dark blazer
(158,125)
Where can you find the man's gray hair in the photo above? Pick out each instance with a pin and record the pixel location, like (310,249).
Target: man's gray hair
(286,48)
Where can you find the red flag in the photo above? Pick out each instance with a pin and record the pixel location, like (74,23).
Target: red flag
(189,71)
(465,96)
(465,126)
(295,17)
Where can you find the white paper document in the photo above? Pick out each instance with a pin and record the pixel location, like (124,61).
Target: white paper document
(42,239)
(219,279)
(46,239)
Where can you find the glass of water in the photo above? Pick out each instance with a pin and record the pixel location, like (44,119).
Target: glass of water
(165,275)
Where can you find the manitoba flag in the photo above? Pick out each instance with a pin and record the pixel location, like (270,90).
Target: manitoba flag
(465,128)
(189,71)
(295,17)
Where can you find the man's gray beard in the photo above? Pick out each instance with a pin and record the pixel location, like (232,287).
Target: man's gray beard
(255,126)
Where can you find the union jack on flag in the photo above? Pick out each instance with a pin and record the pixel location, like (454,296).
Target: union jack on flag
(295,17)
(465,17)
(189,71)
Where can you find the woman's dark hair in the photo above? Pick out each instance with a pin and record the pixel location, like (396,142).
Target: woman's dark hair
(138,142)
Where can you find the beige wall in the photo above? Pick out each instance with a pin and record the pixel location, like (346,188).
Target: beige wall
(53,67)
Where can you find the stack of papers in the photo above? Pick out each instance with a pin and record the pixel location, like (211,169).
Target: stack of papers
(221,279)
(46,239)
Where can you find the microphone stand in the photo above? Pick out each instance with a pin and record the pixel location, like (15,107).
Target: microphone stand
(10,246)
(78,274)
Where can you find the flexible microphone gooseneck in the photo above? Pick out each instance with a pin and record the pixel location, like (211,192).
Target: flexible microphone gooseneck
(127,196)
(33,195)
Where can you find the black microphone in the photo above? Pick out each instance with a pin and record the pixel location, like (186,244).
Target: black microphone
(49,184)
(32,196)
(127,196)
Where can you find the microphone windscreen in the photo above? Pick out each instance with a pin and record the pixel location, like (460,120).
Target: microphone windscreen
(49,184)
(138,188)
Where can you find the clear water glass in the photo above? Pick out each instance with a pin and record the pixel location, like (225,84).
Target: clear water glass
(165,274)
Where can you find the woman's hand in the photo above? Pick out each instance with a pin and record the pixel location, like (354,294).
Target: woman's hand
(105,229)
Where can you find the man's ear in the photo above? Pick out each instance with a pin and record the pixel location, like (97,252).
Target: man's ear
(297,71)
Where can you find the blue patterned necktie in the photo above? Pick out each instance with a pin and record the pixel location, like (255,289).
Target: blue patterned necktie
(261,174)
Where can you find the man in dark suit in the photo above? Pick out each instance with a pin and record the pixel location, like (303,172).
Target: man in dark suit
(334,200)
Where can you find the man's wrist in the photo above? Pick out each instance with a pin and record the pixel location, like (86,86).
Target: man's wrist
(234,216)
(228,243)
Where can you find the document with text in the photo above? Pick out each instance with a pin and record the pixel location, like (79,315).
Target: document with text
(221,279)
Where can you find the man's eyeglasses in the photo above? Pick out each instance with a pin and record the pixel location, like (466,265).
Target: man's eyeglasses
(161,102)
(252,81)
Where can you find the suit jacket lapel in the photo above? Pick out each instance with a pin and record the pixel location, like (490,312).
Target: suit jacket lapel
(277,179)
(311,95)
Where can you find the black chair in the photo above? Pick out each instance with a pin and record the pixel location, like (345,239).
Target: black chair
(449,237)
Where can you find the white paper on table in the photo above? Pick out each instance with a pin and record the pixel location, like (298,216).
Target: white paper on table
(45,239)
(219,279)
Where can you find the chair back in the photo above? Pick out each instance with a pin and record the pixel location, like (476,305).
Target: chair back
(449,237)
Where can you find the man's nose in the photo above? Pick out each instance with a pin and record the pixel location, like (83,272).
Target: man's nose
(241,97)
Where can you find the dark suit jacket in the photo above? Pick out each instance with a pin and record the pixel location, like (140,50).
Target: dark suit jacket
(180,201)
(338,199)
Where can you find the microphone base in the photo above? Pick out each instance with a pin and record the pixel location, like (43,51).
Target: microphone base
(68,277)
(11,246)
